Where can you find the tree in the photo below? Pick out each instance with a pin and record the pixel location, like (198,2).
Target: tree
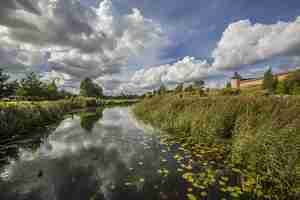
(3,83)
(228,85)
(162,90)
(237,76)
(90,89)
(291,84)
(189,88)
(11,88)
(31,86)
(51,91)
(199,87)
(270,82)
(199,84)
(179,88)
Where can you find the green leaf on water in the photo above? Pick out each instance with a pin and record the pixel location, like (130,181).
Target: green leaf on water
(191,196)
(204,194)
(224,178)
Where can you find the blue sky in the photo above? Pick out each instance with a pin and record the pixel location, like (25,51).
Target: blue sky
(138,45)
(197,25)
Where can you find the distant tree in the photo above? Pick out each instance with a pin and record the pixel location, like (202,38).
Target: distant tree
(85,87)
(162,90)
(292,83)
(269,82)
(189,88)
(90,89)
(65,94)
(237,76)
(3,83)
(199,87)
(11,88)
(179,88)
(199,84)
(51,91)
(228,85)
(31,86)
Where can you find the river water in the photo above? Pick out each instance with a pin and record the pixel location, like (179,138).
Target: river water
(94,156)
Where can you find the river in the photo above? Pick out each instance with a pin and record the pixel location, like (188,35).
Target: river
(91,156)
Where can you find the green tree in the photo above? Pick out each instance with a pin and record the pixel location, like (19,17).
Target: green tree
(51,91)
(90,89)
(179,88)
(31,86)
(228,85)
(199,84)
(237,76)
(189,88)
(12,88)
(269,82)
(3,83)
(292,83)
(199,87)
(162,90)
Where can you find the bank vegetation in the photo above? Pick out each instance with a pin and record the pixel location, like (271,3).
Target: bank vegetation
(262,134)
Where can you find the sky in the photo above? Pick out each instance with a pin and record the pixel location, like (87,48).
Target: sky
(135,46)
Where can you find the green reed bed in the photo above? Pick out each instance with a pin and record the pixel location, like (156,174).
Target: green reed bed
(262,135)
(23,116)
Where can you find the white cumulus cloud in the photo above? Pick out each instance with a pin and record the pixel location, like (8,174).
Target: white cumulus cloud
(245,43)
(242,43)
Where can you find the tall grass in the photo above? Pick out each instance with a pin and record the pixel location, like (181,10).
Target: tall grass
(263,132)
(21,117)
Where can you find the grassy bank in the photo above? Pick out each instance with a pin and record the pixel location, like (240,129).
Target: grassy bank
(262,135)
(119,102)
(23,116)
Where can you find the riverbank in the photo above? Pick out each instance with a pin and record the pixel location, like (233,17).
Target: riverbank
(21,117)
(261,135)
(119,102)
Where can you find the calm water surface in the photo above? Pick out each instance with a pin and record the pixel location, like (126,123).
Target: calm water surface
(93,156)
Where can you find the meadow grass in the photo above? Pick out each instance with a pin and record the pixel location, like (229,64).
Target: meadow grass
(262,134)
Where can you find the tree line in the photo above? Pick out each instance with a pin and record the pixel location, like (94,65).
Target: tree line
(289,86)
(33,88)
(271,85)
(195,88)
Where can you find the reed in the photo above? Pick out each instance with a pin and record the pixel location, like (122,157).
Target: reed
(263,133)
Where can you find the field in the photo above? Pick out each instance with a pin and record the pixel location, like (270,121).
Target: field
(261,135)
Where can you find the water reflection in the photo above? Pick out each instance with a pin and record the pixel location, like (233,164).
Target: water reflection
(116,160)
(88,119)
